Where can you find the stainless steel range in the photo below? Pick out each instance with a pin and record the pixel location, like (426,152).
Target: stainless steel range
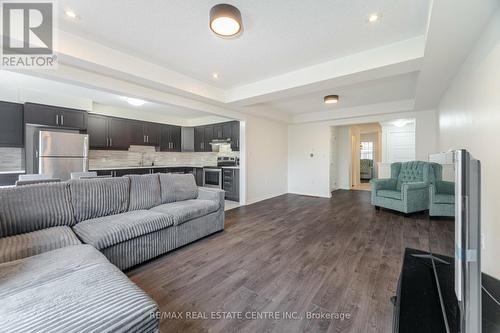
(212,175)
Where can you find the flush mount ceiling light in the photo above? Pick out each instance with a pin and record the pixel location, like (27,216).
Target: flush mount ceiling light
(331,99)
(215,76)
(225,20)
(71,14)
(401,122)
(135,101)
(375,17)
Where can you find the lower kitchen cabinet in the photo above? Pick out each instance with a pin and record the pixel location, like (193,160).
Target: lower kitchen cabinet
(198,175)
(231,183)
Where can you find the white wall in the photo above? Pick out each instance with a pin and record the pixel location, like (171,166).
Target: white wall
(469,117)
(310,175)
(266,158)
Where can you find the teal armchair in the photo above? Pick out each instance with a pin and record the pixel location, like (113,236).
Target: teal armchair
(441,194)
(407,190)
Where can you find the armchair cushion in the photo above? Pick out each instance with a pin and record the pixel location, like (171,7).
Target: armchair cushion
(383,184)
(444,199)
(389,194)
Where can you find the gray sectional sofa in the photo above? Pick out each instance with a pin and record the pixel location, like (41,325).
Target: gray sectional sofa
(63,246)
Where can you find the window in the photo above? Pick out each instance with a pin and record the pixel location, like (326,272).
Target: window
(367,150)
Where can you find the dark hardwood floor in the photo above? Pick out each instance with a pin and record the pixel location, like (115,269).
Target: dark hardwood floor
(293,255)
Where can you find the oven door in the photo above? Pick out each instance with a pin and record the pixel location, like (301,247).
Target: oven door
(212,178)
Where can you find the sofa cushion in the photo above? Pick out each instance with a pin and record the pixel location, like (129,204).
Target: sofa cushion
(183,211)
(98,197)
(389,194)
(36,242)
(106,231)
(33,207)
(444,199)
(176,187)
(72,289)
(144,191)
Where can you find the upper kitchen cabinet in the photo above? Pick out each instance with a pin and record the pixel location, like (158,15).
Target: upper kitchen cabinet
(108,132)
(119,133)
(199,139)
(217,128)
(152,133)
(235,135)
(170,138)
(11,125)
(97,129)
(226,131)
(208,132)
(54,116)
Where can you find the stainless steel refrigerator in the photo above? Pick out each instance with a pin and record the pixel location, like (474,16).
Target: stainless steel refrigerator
(61,153)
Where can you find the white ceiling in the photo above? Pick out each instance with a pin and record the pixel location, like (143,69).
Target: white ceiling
(400,87)
(20,83)
(279,36)
(291,54)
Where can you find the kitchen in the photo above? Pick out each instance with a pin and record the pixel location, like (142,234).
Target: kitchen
(55,141)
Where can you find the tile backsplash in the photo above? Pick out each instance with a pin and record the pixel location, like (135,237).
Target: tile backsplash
(145,156)
(11,159)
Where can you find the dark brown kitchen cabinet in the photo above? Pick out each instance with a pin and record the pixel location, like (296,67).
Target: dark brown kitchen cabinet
(144,133)
(208,136)
(198,175)
(97,129)
(118,133)
(235,135)
(11,125)
(152,133)
(226,131)
(170,138)
(217,131)
(231,183)
(136,132)
(199,139)
(54,116)
(110,132)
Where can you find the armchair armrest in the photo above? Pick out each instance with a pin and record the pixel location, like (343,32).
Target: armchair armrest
(444,187)
(213,194)
(383,184)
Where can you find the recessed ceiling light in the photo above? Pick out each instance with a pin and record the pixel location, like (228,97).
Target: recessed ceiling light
(215,76)
(71,14)
(135,101)
(401,122)
(225,20)
(331,99)
(373,17)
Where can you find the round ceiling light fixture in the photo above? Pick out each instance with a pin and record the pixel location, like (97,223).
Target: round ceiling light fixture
(225,20)
(331,99)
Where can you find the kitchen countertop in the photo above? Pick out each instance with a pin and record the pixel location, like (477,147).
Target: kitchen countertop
(145,167)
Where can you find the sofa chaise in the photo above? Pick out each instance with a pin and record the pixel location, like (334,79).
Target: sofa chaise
(63,246)
(407,190)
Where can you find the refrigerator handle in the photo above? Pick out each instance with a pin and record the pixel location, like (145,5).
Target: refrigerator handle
(111,142)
